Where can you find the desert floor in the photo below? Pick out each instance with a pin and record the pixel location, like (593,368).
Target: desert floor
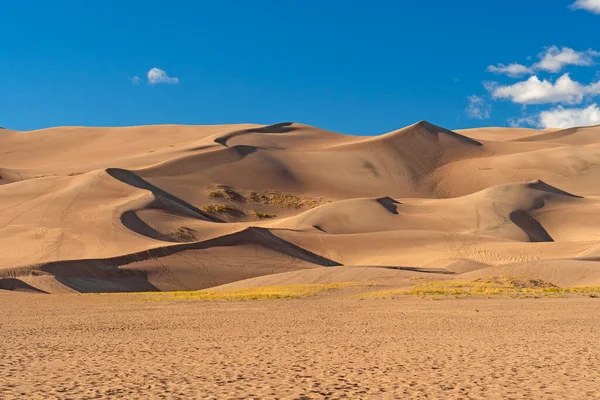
(75,346)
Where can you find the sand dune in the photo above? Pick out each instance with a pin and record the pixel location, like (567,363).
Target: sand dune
(573,136)
(502,134)
(189,207)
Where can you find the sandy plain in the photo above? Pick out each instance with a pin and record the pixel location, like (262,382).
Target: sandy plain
(325,347)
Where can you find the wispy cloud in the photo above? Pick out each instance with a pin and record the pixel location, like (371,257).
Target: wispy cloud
(536,91)
(592,6)
(478,108)
(523,121)
(157,76)
(553,59)
(136,80)
(514,70)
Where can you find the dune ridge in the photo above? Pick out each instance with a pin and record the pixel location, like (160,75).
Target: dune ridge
(190,207)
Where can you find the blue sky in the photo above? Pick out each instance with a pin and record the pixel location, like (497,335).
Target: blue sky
(349,66)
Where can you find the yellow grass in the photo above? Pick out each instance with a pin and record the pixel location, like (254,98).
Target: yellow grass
(285,200)
(511,286)
(219,208)
(225,192)
(215,194)
(183,233)
(272,198)
(263,215)
(255,293)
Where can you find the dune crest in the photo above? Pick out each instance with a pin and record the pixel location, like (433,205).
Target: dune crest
(189,207)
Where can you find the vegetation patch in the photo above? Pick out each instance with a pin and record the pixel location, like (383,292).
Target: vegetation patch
(256,293)
(285,200)
(272,198)
(494,286)
(227,193)
(183,234)
(221,209)
(263,215)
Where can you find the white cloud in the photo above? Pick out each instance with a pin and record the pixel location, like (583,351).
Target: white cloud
(588,5)
(560,117)
(552,59)
(478,108)
(514,70)
(536,91)
(157,75)
(136,80)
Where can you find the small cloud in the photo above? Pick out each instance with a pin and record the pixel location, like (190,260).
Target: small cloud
(592,6)
(553,59)
(478,108)
(513,70)
(536,91)
(136,80)
(157,75)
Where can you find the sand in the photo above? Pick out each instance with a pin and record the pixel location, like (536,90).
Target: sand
(191,207)
(88,211)
(331,346)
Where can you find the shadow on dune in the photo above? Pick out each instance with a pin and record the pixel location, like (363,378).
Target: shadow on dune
(14,284)
(434,129)
(100,276)
(314,226)
(106,275)
(282,127)
(131,221)
(241,149)
(389,204)
(534,230)
(527,223)
(544,187)
(171,201)
(204,147)
(417,269)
